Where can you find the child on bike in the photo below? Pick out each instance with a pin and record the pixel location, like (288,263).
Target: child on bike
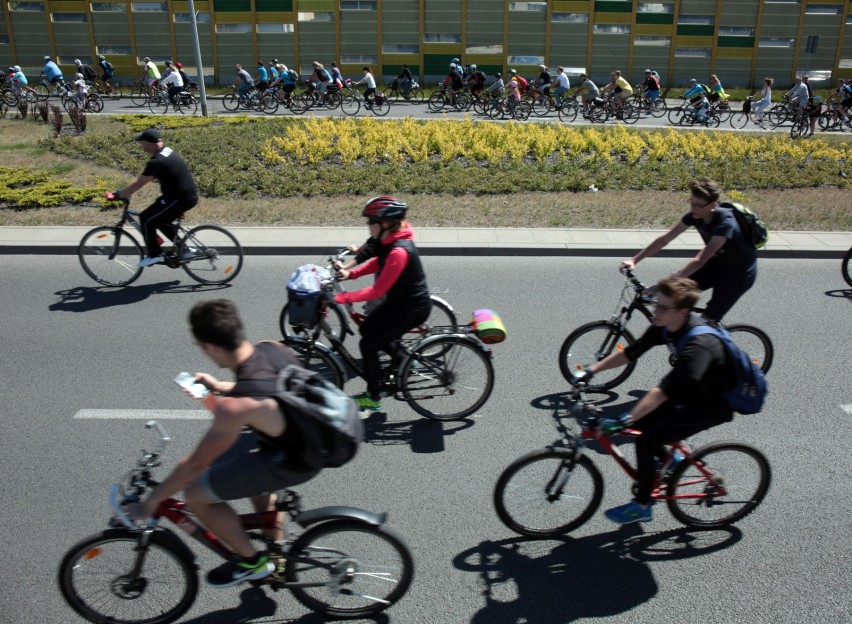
(401,280)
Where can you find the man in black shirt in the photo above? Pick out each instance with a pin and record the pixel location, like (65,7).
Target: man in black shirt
(177,188)
(687,400)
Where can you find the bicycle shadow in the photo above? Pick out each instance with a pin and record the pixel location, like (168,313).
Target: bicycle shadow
(256,604)
(840,294)
(88,298)
(532,581)
(422,435)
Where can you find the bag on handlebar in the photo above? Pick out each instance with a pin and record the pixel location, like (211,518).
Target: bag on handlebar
(304,294)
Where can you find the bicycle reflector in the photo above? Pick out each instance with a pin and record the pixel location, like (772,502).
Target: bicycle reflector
(92,553)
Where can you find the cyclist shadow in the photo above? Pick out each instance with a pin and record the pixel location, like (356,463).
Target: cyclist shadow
(87,298)
(532,581)
(840,294)
(423,435)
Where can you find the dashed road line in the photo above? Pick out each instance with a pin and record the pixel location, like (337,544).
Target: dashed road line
(142,414)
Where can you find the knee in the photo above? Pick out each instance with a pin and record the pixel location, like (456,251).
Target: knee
(197,497)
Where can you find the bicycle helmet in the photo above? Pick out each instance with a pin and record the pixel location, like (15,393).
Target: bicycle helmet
(101,56)
(513,71)
(513,83)
(275,61)
(385,207)
(817,100)
(498,75)
(542,66)
(78,62)
(146,59)
(456,60)
(473,66)
(179,65)
(17,68)
(452,65)
(46,58)
(692,81)
(78,75)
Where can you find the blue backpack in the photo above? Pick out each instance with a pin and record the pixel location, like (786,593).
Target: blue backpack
(750,390)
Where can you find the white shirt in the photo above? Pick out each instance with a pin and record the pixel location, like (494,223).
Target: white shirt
(173,78)
(368,80)
(562,79)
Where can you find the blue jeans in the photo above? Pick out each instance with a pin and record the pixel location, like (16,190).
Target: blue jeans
(557,92)
(243,90)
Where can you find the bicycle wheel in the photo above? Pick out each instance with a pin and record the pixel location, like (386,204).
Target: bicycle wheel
(360,569)
(107,580)
(316,359)
(496,110)
(755,342)
(187,104)
(660,108)
(463,102)
(94,103)
(568,111)
(110,256)
(675,115)
(139,96)
(713,121)
(210,254)
(10,98)
(846,267)
(299,104)
(333,323)
(739,120)
(720,484)
(480,105)
(522,111)
(541,106)
(42,91)
(447,378)
(380,110)
(539,495)
(591,343)
(158,104)
(629,114)
(351,105)
(231,102)
(115,91)
(436,101)
(598,114)
(416,94)
(799,128)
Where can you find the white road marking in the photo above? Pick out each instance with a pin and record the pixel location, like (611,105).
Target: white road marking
(143,414)
(847,408)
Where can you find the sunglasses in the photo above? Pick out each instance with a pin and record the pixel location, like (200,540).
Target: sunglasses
(372,221)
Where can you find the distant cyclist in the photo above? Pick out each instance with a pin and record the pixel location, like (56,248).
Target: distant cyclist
(53,73)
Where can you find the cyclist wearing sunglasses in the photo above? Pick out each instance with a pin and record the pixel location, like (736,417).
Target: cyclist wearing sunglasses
(728,262)
(401,280)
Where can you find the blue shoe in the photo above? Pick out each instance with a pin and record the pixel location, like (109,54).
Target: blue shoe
(365,402)
(665,469)
(629,513)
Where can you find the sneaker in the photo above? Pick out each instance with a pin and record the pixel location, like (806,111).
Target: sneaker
(665,469)
(365,402)
(238,570)
(144,262)
(188,253)
(629,513)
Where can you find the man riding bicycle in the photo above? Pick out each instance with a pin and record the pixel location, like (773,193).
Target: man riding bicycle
(178,189)
(687,400)
(248,451)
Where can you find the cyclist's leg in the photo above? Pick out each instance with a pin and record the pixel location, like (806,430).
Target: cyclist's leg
(731,283)
(159,216)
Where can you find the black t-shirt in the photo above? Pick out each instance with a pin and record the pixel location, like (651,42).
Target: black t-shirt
(736,250)
(545,77)
(172,173)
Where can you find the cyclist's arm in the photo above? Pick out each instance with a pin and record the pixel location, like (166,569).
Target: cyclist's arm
(656,245)
(616,360)
(710,249)
(395,264)
(134,186)
(652,399)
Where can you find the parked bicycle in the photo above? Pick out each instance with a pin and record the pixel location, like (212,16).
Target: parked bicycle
(347,563)
(337,319)
(594,341)
(110,254)
(846,267)
(554,490)
(447,375)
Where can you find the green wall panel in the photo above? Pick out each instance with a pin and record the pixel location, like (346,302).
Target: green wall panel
(780,20)
(734,72)
(273,5)
(230,6)
(613,6)
(609,52)
(317,5)
(276,45)
(526,33)
(687,68)
(437,64)
(30,32)
(401,22)
(695,30)
(393,70)
(358,32)
(443,16)
(184,48)
(568,44)
(317,43)
(654,18)
(739,13)
(484,23)
(735,42)
(152,34)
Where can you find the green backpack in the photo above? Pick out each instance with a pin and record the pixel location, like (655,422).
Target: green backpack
(754,230)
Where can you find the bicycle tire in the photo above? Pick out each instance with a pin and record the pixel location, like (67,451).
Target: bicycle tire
(846,267)
(762,352)
(799,128)
(436,101)
(739,120)
(138,96)
(94,103)
(675,115)
(363,569)
(447,377)
(660,108)
(299,104)
(463,102)
(158,104)
(333,323)
(351,105)
(380,110)
(230,102)
(317,358)
(629,114)
(42,91)
(522,111)
(480,105)
(210,254)
(530,499)
(568,112)
(591,343)
(416,94)
(115,91)
(269,103)
(598,114)
(108,558)
(333,100)
(10,98)
(497,110)
(542,105)
(32,96)
(713,121)
(691,490)
(187,104)
(99,260)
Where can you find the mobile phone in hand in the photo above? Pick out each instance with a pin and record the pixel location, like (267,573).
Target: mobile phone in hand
(188,383)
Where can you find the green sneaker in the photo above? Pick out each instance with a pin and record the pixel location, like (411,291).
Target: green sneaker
(238,570)
(365,402)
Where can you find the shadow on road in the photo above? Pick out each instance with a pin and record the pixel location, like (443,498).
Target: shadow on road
(840,294)
(86,298)
(423,435)
(589,577)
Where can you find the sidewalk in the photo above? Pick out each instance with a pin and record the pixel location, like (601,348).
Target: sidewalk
(453,241)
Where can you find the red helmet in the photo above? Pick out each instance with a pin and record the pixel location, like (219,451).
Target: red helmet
(385,207)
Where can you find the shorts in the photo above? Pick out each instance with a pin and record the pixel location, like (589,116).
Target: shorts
(249,469)
(728,281)
(653,95)
(617,90)
(152,81)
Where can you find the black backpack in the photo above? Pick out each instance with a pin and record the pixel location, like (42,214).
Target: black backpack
(325,419)
(754,230)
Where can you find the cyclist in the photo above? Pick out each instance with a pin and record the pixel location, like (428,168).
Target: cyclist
(513,93)
(476,80)
(262,81)
(336,76)
(244,83)
(321,78)
(82,87)
(717,92)
(107,71)
(496,87)
(728,262)
(591,92)
(18,79)
(701,107)
(183,76)
(405,80)
(544,80)
(765,100)
(798,95)
(400,278)
(523,85)
(289,80)
(814,106)
(150,74)
(562,85)
(87,71)
(621,89)
(454,81)
(174,82)
(53,73)
(274,76)
(177,188)
(844,90)
(370,86)
(689,399)
(246,452)
(651,89)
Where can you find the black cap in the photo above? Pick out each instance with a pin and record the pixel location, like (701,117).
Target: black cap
(151,135)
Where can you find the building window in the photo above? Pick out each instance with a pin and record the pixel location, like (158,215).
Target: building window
(357,5)
(732,31)
(497,48)
(114,50)
(109,7)
(570,18)
(4,39)
(693,52)
(574,71)
(776,42)
(651,40)
(654,7)
(315,16)
(69,60)
(437,38)
(359,59)
(815,75)
(156,60)
(526,60)
(611,29)
(232,29)
(70,17)
(397,48)
(701,20)
(149,7)
(845,63)
(26,6)
(528,6)
(823,9)
(185,18)
(275,28)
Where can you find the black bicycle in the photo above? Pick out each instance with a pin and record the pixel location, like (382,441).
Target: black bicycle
(594,341)
(110,254)
(846,267)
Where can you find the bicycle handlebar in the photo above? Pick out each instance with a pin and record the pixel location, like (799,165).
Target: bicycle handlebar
(634,281)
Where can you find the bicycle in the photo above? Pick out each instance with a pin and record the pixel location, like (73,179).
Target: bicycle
(832,118)
(801,124)
(395,93)
(107,88)
(347,563)
(110,254)
(140,93)
(445,97)
(740,119)
(447,375)
(552,491)
(275,97)
(251,100)
(846,267)
(93,103)
(335,316)
(184,103)
(594,341)
(640,100)
(352,101)
(501,109)
(600,110)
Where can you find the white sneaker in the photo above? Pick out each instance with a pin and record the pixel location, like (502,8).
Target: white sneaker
(144,262)
(188,253)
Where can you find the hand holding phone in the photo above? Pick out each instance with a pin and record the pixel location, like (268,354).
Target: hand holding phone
(187,382)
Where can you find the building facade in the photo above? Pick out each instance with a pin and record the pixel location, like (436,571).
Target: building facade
(740,40)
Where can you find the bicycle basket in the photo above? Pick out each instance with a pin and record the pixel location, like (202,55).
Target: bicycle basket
(304,295)
(488,326)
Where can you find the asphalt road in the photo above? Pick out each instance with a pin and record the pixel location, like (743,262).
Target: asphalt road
(70,346)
